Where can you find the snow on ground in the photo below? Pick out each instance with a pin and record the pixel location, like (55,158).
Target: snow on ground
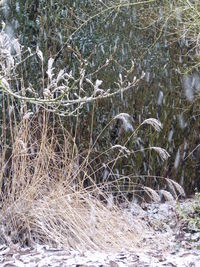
(170,243)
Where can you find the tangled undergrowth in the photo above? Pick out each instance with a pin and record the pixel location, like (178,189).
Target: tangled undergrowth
(43,199)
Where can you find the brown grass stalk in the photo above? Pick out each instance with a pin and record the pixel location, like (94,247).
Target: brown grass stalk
(43,199)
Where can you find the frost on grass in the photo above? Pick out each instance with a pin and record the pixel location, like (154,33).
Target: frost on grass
(165,195)
(7,46)
(50,68)
(156,124)
(40,54)
(126,121)
(122,149)
(162,152)
(154,196)
(175,188)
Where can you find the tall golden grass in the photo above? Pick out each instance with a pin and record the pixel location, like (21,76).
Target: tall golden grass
(42,195)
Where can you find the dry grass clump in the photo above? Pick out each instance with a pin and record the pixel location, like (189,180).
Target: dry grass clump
(42,197)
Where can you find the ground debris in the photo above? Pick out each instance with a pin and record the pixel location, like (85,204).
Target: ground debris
(171,242)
